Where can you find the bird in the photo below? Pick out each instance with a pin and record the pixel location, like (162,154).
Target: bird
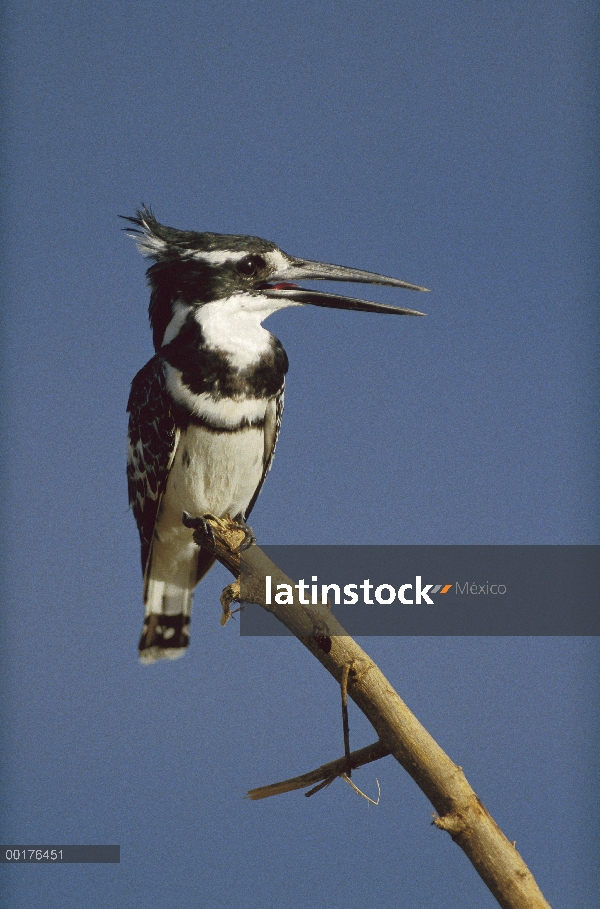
(205,411)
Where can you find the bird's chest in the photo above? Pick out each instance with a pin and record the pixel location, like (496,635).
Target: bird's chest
(224,375)
(216,472)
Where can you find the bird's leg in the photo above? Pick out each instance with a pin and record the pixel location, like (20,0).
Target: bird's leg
(249,538)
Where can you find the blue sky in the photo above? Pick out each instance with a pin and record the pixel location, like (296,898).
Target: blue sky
(451,145)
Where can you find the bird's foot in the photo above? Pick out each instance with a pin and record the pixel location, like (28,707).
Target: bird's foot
(204,534)
(204,530)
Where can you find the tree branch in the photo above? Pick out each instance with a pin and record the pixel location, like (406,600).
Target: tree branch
(459,811)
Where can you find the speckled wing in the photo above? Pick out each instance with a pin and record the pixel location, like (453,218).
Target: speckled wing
(152,442)
(273,419)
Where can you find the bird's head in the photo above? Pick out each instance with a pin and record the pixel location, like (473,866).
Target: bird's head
(198,268)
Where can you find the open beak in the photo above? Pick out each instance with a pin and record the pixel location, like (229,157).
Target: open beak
(305,270)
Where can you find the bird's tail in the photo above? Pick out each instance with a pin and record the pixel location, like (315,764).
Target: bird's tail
(168,605)
(166,629)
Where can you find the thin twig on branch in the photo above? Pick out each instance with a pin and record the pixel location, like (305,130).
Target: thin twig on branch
(459,811)
(326,773)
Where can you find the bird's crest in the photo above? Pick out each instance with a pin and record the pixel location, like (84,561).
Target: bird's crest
(150,236)
(159,242)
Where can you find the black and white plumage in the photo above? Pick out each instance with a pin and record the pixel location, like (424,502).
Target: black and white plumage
(205,411)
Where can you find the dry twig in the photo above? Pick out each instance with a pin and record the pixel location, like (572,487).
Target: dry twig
(327,773)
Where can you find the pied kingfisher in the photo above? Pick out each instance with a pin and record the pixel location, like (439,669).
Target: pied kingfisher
(205,411)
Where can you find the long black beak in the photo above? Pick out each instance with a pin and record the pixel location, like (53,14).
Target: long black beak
(305,270)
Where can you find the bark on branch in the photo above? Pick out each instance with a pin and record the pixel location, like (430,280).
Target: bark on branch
(459,811)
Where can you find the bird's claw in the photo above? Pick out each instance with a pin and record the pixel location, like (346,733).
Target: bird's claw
(249,539)
(188,521)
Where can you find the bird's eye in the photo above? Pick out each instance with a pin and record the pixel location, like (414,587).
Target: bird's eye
(249,265)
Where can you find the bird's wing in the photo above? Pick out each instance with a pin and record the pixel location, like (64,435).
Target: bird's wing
(151,445)
(273,418)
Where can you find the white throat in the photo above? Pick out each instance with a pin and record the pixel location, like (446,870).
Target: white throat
(233,325)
